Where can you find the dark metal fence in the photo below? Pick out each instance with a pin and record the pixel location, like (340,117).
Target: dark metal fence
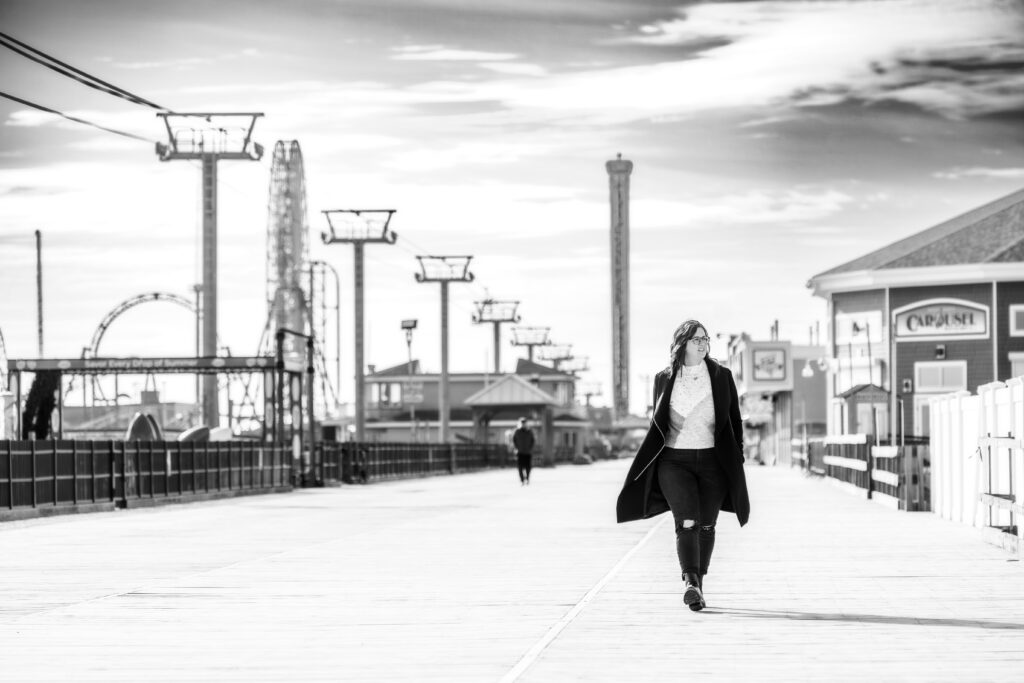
(36,474)
(898,475)
(39,477)
(354,463)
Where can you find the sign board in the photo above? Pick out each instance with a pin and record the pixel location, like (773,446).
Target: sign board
(412,392)
(202,365)
(937,319)
(769,365)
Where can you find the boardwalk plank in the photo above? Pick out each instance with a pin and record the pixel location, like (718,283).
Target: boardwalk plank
(456,578)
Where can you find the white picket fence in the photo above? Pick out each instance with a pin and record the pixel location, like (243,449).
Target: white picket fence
(977,459)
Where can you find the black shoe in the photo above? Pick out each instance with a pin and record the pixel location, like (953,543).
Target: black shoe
(692,596)
(698,606)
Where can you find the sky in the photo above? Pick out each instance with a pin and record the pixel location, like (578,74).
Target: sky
(770,141)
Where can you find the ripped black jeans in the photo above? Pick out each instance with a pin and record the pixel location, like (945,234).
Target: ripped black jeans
(694,484)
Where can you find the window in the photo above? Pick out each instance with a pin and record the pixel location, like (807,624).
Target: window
(386,395)
(1016,364)
(940,377)
(1017,321)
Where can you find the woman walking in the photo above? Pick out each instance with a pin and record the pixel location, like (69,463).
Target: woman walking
(691,461)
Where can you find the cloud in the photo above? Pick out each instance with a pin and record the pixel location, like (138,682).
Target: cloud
(515,69)
(182,63)
(435,53)
(979,172)
(756,207)
(958,60)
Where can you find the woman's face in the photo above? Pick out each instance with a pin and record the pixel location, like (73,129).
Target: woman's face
(698,345)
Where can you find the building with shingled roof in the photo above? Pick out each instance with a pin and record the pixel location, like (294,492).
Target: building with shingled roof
(953,294)
(402,405)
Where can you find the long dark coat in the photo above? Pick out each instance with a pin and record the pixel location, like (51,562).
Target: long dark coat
(641,497)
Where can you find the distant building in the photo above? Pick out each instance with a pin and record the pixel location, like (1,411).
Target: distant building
(954,294)
(783,395)
(402,406)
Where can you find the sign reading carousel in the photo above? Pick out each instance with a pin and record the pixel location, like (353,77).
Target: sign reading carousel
(938,319)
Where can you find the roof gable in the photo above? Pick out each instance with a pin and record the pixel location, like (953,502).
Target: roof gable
(401,370)
(511,390)
(525,366)
(992,233)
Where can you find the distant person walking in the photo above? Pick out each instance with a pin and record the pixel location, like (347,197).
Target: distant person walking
(691,461)
(522,441)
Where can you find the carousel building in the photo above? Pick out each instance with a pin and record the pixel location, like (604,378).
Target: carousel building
(937,312)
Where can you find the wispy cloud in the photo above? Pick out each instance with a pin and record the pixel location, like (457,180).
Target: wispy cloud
(181,63)
(515,68)
(954,59)
(979,172)
(437,53)
(756,207)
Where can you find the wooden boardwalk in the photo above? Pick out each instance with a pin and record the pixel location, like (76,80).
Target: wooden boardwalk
(474,578)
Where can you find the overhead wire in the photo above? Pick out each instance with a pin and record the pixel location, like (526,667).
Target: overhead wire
(74,118)
(74,73)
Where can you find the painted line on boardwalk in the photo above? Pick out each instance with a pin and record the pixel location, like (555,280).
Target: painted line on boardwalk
(534,652)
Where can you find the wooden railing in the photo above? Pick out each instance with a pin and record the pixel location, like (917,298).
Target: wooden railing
(978,441)
(896,476)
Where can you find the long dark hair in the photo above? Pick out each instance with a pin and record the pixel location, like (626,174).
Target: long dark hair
(680,338)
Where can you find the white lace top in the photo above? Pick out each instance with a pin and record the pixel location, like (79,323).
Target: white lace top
(691,409)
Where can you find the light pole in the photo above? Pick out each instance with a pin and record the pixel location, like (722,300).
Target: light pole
(359,227)
(409,326)
(443,270)
(496,313)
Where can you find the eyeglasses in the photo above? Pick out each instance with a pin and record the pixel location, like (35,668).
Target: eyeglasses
(700,340)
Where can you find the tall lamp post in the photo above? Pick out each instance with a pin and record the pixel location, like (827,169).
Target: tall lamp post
(443,270)
(359,227)
(409,326)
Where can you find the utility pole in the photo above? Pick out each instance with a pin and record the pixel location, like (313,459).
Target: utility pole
(530,337)
(444,269)
(198,289)
(359,227)
(496,313)
(556,354)
(209,138)
(591,390)
(39,289)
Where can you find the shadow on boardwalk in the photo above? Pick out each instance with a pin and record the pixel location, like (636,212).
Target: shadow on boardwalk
(863,618)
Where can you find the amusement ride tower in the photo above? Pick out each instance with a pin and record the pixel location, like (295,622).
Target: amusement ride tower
(287,247)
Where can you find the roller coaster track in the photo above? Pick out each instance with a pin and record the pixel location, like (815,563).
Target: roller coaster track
(92,351)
